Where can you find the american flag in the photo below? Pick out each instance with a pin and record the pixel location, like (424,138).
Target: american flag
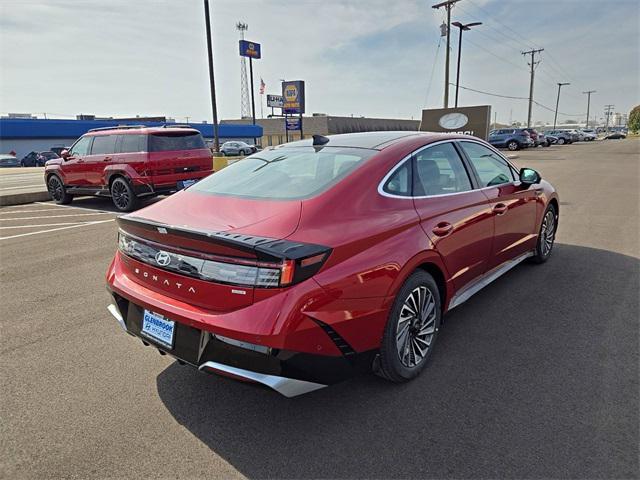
(262,86)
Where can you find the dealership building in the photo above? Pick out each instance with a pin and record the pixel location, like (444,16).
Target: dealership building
(273,129)
(24,135)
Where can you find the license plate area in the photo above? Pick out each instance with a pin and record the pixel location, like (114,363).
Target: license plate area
(158,329)
(182,184)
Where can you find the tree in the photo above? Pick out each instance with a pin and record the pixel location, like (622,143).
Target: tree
(634,119)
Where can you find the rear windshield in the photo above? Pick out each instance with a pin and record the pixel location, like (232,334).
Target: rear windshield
(285,173)
(170,141)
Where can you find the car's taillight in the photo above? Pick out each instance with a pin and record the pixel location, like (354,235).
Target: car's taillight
(228,270)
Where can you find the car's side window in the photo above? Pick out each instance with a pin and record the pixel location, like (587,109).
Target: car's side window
(439,171)
(132,143)
(400,182)
(104,145)
(81,147)
(490,167)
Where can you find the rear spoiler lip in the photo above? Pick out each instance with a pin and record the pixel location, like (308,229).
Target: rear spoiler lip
(265,248)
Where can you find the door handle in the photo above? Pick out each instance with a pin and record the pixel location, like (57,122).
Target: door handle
(107,159)
(500,208)
(442,229)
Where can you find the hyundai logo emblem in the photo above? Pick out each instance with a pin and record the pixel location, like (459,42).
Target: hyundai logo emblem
(163,258)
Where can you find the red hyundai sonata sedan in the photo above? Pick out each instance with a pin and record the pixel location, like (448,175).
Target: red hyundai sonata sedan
(304,264)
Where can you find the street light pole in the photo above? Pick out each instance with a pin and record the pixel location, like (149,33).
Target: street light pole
(588,93)
(461,27)
(555,117)
(448,4)
(212,82)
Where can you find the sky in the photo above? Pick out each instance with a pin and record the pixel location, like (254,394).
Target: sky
(374,58)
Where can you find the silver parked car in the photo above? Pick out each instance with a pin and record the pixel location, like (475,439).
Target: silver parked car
(237,148)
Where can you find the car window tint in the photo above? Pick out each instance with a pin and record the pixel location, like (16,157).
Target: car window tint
(284,173)
(400,182)
(439,171)
(491,169)
(133,143)
(81,147)
(172,141)
(104,144)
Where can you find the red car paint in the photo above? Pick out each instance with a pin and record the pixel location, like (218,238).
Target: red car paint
(376,242)
(148,172)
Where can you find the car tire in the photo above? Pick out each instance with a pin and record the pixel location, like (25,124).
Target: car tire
(242,153)
(560,141)
(122,195)
(513,145)
(400,358)
(546,235)
(57,191)
(547,143)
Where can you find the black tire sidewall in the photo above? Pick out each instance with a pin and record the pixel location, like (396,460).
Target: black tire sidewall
(539,257)
(390,364)
(66,198)
(132,196)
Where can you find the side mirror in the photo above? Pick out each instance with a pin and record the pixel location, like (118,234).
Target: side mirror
(65,154)
(529,176)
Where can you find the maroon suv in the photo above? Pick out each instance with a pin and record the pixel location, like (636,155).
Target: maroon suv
(129,162)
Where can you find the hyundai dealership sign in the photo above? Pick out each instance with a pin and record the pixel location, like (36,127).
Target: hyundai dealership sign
(468,120)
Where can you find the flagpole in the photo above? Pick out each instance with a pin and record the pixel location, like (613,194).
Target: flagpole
(261,102)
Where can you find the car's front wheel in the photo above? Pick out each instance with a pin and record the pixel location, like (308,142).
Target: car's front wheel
(123,195)
(547,235)
(513,145)
(560,141)
(57,192)
(412,329)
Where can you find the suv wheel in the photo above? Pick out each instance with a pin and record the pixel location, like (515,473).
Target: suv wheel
(243,152)
(547,235)
(57,191)
(513,145)
(412,329)
(122,195)
(561,141)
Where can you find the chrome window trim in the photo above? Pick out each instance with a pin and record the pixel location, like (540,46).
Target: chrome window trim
(424,147)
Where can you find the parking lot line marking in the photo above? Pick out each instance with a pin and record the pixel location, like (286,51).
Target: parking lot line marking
(43,225)
(55,216)
(79,208)
(24,186)
(28,211)
(86,224)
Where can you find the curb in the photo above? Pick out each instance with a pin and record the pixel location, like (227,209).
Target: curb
(22,198)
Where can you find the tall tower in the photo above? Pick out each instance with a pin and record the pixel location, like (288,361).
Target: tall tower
(245,106)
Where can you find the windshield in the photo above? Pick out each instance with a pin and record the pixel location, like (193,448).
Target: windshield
(285,173)
(172,141)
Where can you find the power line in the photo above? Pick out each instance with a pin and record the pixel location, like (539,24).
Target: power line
(520,98)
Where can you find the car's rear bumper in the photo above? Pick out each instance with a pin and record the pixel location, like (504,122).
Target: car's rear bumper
(288,372)
(160,185)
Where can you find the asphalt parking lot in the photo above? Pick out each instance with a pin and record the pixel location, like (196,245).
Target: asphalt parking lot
(534,377)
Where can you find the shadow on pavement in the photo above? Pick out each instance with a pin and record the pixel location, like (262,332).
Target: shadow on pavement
(535,376)
(105,204)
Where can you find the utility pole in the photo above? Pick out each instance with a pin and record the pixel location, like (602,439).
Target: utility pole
(555,117)
(495,120)
(212,82)
(608,109)
(533,64)
(588,93)
(461,27)
(448,4)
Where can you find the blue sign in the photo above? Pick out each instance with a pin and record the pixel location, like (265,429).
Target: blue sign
(293,123)
(249,49)
(293,93)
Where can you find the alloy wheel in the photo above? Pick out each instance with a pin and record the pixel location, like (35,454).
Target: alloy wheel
(416,326)
(55,188)
(120,195)
(548,233)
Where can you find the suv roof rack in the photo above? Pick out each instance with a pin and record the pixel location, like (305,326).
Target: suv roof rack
(176,125)
(117,127)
